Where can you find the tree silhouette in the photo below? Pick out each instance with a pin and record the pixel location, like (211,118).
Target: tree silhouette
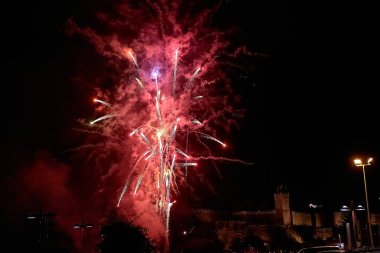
(121,237)
(288,238)
(248,243)
(200,239)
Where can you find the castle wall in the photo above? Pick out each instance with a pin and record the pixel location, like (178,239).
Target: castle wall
(375,218)
(320,219)
(262,231)
(300,218)
(228,231)
(323,233)
(337,218)
(238,224)
(282,207)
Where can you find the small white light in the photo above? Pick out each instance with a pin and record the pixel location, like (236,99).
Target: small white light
(358,162)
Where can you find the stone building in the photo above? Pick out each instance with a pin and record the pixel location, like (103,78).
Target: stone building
(268,225)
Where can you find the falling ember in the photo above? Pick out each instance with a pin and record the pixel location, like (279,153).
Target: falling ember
(181,152)
(168,108)
(212,138)
(196,122)
(193,77)
(175,71)
(139,83)
(187,164)
(133,59)
(102,118)
(102,102)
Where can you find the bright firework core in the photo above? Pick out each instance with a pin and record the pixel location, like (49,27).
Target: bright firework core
(163,158)
(170,98)
(161,149)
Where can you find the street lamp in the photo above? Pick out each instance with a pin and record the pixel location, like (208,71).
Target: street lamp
(82,226)
(43,219)
(351,208)
(358,162)
(313,207)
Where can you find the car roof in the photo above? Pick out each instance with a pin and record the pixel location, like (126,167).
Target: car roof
(319,248)
(331,251)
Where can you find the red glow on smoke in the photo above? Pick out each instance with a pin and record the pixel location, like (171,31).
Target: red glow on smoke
(166,73)
(48,186)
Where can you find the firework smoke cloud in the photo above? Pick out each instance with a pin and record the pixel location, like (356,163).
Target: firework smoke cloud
(169,108)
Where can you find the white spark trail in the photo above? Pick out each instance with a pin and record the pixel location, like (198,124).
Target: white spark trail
(187,164)
(140,179)
(193,77)
(102,102)
(158,108)
(102,118)
(219,158)
(196,122)
(139,83)
(181,152)
(129,177)
(172,134)
(168,215)
(175,72)
(212,138)
(134,60)
(145,139)
(156,82)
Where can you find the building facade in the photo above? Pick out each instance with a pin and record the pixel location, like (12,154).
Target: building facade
(282,226)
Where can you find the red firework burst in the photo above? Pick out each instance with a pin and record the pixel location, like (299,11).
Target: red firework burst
(169,91)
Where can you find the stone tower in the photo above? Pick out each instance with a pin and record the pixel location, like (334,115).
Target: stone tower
(282,206)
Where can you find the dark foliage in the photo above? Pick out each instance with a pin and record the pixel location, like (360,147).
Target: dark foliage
(248,243)
(120,237)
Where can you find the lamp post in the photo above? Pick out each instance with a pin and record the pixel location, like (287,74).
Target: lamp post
(43,219)
(359,163)
(313,207)
(351,208)
(82,226)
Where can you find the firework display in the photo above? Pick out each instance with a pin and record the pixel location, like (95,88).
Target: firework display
(163,156)
(171,99)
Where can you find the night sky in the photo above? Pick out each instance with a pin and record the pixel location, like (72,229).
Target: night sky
(310,97)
